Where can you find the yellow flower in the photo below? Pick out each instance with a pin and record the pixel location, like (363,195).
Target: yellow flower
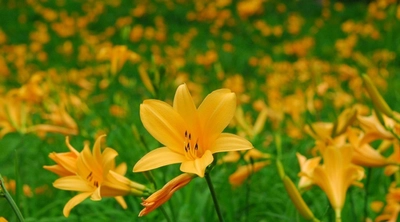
(243,172)
(164,194)
(395,159)
(337,174)
(190,136)
(66,162)
(364,154)
(392,209)
(373,128)
(307,170)
(96,177)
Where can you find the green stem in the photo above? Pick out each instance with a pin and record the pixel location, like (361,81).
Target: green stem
(214,196)
(10,200)
(338,215)
(366,186)
(165,214)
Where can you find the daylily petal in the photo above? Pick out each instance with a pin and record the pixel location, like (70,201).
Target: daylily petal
(121,202)
(216,112)
(97,149)
(230,142)
(158,158)
(71,148)
(74,183)
(184,105)
(73,202)
(163,123)
(121,169)
(86,162)
(57,169)
(198,166)
(96,196)
(108,159)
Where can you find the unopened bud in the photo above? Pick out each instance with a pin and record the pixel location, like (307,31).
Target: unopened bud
(297,200)
(378,101)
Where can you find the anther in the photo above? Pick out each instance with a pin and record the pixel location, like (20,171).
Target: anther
(89,176)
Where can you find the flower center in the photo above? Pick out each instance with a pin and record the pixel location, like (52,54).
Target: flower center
(191,147)
(92,180)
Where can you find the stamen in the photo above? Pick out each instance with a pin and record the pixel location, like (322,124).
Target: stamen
(187,145)
(89,177)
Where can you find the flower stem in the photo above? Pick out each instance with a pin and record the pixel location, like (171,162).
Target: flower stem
(338,215)
(214,196)
(165,214)
(10,200)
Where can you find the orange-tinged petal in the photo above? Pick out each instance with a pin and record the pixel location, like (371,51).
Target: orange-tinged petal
(215,113)
(73,202)
(198,166)
(230,142)
(163,123)
(184,105)
(158,158)
(74,183)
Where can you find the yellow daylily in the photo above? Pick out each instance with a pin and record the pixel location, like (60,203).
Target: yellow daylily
(96,177)
(392,208)
(307,170)
(373,128)
(395,159)
(364,154)
(66,162)
(243,172)
(190,136)
(336,175)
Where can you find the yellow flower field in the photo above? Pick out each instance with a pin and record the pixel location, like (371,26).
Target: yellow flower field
(177,110)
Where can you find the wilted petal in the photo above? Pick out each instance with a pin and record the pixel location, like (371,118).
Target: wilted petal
(158,158)
(163,123)
(230,142)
